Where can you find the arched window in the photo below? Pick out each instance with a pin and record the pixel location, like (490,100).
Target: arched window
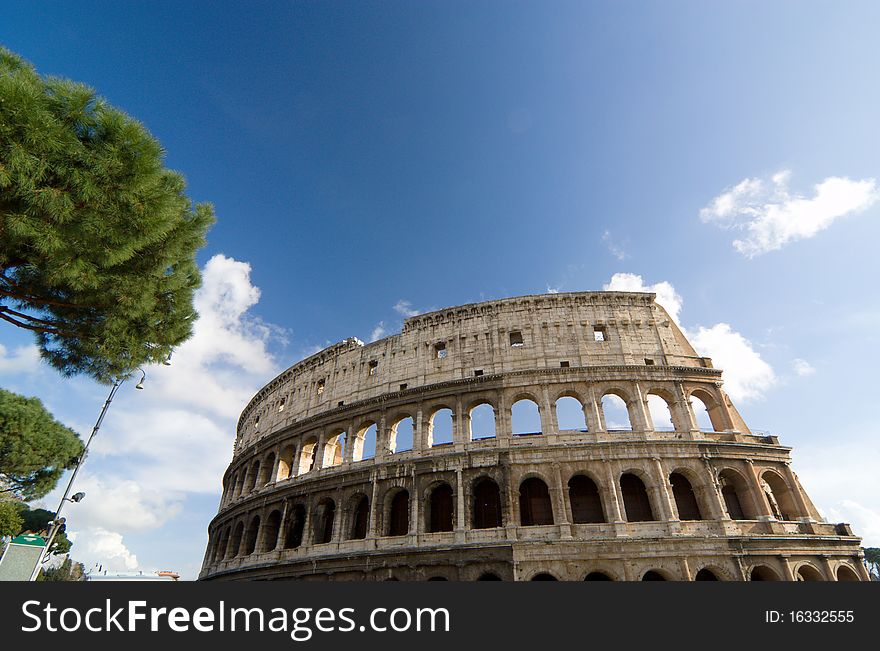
(334,450)
(705,575)
(360,518)
(220,550)
(489,576)
(398,514)
(440,428)
(250,543)
(325,516)
(779,496)
(809,573)
(544,576)
(661,415)
(482,418)
(846,573)
(364,443)
(487,504)
(534,503)
(652,575)
(597,576)
(734,491)
(296,527)
(763,573)
(239,483)
(635,499)
(307,455)
(525,418)
(270,535)
(707,411)
(685,500)
(285,463)
(586,504)
(401,435)
(266,471)
(570,414)
(616,414)
(440,509)
(235,541)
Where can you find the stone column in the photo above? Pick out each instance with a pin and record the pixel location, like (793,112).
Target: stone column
(713,493)
(683,407)
(685,569)
(502,417)
(557,492)
(319,450)
(643,414)
(350,437)
(460,522)
(282,528)
(459,434)
(382,450)
(612,491)
(760,499)
(665,499)
(373,528)
(419,442)
(549,422)
(592,413)
(787,572)
(826,565)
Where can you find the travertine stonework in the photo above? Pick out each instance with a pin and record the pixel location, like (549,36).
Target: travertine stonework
(301,501)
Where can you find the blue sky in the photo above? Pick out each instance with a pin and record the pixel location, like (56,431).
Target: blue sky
(367,160)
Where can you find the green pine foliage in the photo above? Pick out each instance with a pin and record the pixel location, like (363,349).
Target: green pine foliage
(10,518)
(35,449)
(97,238)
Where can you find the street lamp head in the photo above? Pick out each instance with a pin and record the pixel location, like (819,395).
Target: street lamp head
(77,497)
(140,385)
(167,360)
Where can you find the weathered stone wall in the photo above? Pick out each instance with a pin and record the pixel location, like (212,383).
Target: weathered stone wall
(300,455)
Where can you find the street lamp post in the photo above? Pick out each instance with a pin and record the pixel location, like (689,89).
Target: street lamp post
(57,521)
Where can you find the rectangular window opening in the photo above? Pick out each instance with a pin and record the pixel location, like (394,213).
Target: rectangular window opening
(341,403)
(599,333)
(564,364)
(649,362)
(403,387)
(516,339)
(320,387)
(478,372)
(373,366)
(440,350)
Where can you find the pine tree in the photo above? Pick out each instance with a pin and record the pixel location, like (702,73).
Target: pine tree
(35,449)
(97,238)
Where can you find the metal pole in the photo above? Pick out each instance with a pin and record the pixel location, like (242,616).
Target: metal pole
(53,530)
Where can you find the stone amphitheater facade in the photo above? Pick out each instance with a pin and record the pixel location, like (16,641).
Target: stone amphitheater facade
(312,495)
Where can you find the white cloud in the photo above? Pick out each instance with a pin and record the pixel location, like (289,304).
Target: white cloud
(802,367)
(772,216)
(552,290)
(613,247)
(24,359)
(378,332)
(99,546)
(666,294)
(746,375)
(174,439)
(405,309)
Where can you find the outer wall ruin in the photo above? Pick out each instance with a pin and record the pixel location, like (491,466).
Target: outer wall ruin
(382,461)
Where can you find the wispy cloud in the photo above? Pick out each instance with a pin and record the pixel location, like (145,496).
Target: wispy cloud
(772,216)
(378,332)
(802,367)
(405,309)
(616,249)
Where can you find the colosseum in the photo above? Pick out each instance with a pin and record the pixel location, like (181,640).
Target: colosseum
(572,436)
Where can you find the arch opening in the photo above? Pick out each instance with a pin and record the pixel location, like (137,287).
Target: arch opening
(398,514)
(660,413)
(401,437)
(360,518)
(296,527)
(325,513)
(271,530)
(586,503)
(570,414)
(637,504)
(685,498)
(482,422)
(535,507)
(487,504)
(441,509)
(525,418)
(440,428)
(616,413)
